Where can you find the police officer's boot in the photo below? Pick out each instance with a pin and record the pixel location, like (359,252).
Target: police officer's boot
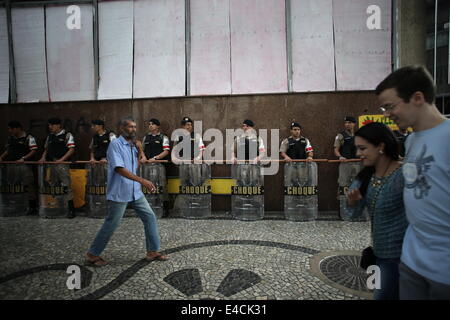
(71,213)
(33,209)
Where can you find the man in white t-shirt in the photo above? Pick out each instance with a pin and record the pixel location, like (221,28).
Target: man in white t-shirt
(407,97)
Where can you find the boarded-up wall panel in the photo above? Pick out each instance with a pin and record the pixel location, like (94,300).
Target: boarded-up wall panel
(210,47)
(4,58)
(29,54)
(115,50)
(363,56)
(258,46)
(70,55)
(312,45)
(159,48)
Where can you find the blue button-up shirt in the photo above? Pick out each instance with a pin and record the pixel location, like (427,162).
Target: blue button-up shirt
(122,154)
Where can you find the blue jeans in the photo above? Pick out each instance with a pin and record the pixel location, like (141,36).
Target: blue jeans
(113,219)
(413,286)
(389,279)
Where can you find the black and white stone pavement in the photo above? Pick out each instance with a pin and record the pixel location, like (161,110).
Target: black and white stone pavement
(209,259)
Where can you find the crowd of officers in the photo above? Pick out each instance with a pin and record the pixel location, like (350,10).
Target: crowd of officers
(60,145)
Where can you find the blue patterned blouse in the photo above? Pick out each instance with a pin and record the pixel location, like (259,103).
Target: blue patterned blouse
(387,213)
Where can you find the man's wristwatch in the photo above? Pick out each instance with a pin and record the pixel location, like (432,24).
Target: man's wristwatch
(155,158)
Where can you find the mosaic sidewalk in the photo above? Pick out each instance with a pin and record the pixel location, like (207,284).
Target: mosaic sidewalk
(209,259)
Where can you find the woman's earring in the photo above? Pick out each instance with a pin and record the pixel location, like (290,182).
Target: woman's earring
(381,151)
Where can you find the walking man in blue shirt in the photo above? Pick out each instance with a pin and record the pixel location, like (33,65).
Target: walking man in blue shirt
(407,97)
(124,187)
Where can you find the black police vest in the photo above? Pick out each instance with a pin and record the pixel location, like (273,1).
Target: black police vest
(100,145)
(194,146)
(56,147)
(296,148)
(153,145)
(401,139)
(248,144)
(348,149)
(17,148)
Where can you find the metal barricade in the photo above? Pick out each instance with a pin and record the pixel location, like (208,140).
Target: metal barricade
(194,200)
(247,199)
(156,173)
(15,183)
(300,191)
(97,176)
(347,173)
(55,189)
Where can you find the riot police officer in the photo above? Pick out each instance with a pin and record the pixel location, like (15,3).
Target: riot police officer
(21,146)
(156,146)
(189,148)
(196,146)
(401,135)
(296,147)
(344,143)
(59,147)
(100,140)
(248,148)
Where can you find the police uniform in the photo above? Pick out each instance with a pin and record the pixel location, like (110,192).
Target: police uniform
(190,174)
(196,148)
(17,148)
(345,141)
(249,146)
(297,174)
(155,144)
(401,139)
(99,144)
(57,145)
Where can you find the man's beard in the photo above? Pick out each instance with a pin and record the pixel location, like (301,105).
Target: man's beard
(131,136)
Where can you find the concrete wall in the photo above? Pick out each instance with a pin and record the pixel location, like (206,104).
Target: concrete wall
(411,32)
(321,115)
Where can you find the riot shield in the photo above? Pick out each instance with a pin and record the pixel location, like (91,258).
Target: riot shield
(55,189)
(194,200)
(97,176)
(247,196)
(156,173)
(15,182)
(348,172)
(300,191)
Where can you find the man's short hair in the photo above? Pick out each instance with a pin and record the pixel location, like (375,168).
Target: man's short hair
(408,80)
(14,124)
(124,121)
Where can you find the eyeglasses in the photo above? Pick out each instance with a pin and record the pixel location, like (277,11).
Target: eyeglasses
(389,107)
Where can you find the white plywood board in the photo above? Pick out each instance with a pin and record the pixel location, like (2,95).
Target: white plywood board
(70,55)
(363,56)
(312,45)
(30,65)
(159,48)
(210,63)
(115,50)
(258,46)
